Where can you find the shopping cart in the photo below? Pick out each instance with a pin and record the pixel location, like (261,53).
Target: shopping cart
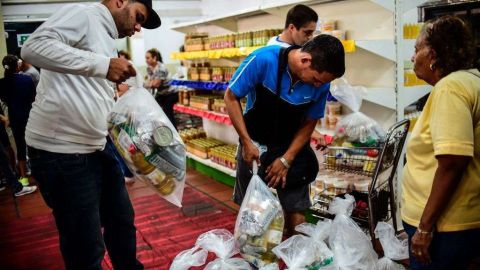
(376,163)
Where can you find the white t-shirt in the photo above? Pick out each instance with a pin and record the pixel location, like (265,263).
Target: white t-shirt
(276,41)
(73,48)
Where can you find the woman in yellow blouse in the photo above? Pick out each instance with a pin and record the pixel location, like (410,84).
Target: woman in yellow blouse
(441,180)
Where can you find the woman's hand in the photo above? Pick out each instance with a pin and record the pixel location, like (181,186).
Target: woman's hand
(420,245)
(277,174)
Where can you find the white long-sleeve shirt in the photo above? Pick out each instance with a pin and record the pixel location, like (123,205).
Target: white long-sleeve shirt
(73,48)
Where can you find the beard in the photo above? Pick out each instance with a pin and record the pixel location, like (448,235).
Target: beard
(122,22)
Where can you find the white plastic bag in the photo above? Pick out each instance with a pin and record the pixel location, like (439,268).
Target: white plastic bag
(260,222)
(297,252)
(272,266)
(355,127)
(318,234)
(223,244)
(188,258)
(351,247)
(393,248)
(149,144)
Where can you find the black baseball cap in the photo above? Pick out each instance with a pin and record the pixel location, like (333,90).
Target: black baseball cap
(153,20)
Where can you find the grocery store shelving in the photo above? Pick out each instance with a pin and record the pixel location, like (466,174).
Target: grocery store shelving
(210,115)
(278,8)
(349,46)
(201,85)
(212,164)
(384,96)
(411,94)
(383,48)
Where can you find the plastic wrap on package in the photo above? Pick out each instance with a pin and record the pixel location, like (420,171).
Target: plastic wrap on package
(355,127)
(393,248)
(223,244)
(272,266)
(188,258)
(351,247)
(260,222)
(318,234)
(149,144)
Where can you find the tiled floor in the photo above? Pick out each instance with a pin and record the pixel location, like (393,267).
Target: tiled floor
(33,204)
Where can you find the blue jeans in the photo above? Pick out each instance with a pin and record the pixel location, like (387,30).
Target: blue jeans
(448,250)
(87,192)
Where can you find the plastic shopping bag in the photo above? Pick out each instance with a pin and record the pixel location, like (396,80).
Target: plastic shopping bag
(318,234)
(149,144)
(393,248)
(351,247)
(223,244)
(272,266)
(297,252)
(188,258)
(355,127)
(260,222)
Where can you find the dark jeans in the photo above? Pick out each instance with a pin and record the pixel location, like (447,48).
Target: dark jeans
(87,192)
(166,102)
(448,250)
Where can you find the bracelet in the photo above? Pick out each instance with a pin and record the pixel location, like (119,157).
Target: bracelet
(422,232)
(285,162)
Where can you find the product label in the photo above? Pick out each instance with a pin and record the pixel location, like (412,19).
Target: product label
(124,140)
(166,166)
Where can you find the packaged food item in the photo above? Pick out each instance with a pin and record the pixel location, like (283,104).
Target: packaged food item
(318,234)
(362,185)
(340,186)
(260,222)
(328,26)
(393,248)
(149,144)
(340,34)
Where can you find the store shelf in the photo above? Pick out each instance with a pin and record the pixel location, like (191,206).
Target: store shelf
(212,164)
(277,8)
(383,96)
(408,95)
(382,47)
(349,46)
(213,54)
(214,116)
(217,86)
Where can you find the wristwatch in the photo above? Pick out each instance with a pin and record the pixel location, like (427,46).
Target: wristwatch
(285,162)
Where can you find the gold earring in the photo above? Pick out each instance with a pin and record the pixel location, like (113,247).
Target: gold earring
(432,67)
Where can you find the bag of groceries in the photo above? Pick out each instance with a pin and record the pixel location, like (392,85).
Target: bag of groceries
(260,222)
(356,127)
(351,247)
(223,244)
(188,258)
(393,248)
(318,234)
(148,143)
(297,252)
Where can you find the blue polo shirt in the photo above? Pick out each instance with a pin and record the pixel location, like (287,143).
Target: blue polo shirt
(261,67)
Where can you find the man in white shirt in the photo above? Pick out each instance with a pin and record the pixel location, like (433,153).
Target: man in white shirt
(300,24)
(71,159)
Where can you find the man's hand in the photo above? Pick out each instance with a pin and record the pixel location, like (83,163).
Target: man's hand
(277,174)
(120,70)
(250,153)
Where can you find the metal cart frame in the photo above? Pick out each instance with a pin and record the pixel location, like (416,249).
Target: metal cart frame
(380,196)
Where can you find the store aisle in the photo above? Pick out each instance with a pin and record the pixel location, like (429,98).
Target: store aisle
(31,240)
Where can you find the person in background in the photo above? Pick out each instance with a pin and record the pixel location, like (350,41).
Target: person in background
(286,91)
(18,93)
(300,24)
(157,82)
(27,69)
(441,184)
(71,157)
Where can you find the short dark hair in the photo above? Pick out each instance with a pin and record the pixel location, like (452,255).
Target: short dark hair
(10,64)
(300,15)
(155,53)
(125,54)
(452,41)
(327,54)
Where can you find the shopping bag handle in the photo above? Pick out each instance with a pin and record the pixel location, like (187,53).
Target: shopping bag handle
(254,167)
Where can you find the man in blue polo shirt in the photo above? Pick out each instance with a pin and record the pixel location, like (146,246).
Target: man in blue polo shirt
(286,90)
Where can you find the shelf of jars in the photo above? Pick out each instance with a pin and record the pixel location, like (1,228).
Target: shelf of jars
(210,115)
(349,46)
